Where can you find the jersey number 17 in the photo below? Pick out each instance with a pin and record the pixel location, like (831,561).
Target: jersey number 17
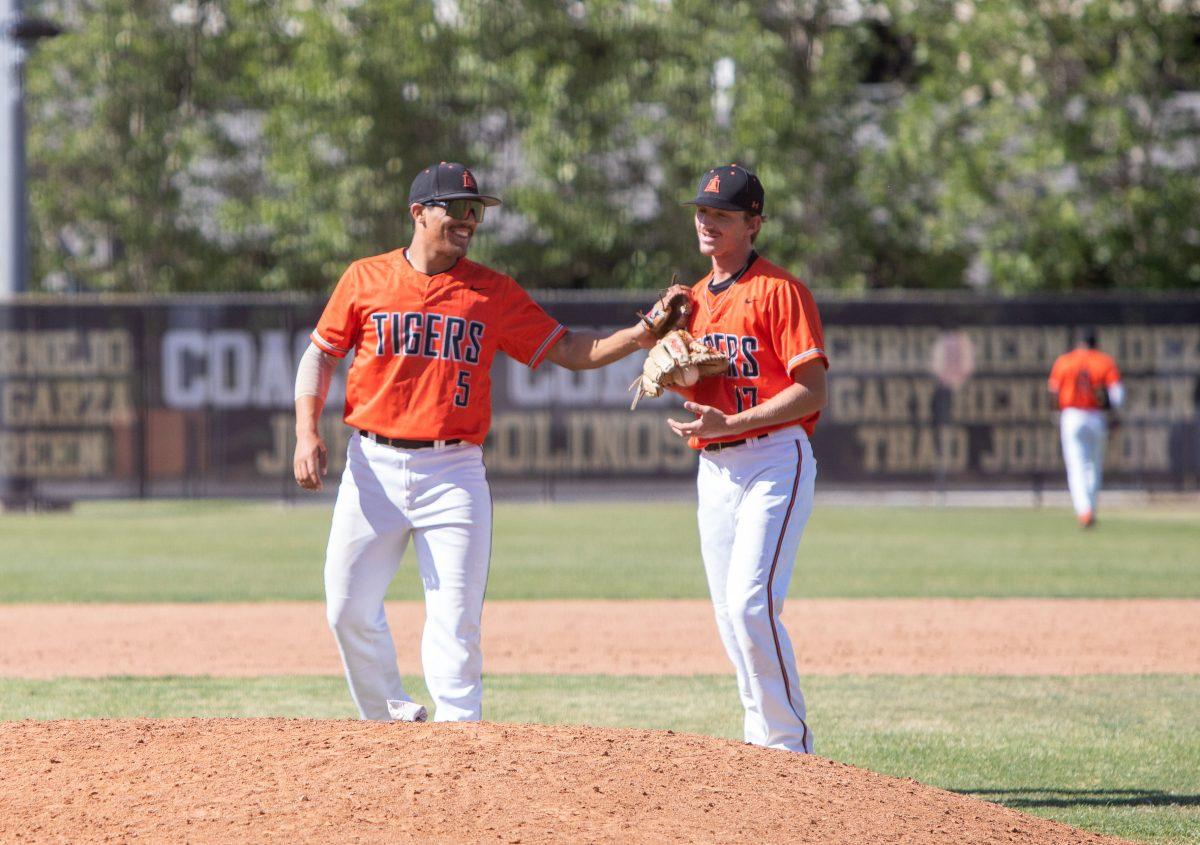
(747,397)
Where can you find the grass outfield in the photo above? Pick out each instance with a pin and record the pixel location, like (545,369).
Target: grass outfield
(239,551)
(1114,754)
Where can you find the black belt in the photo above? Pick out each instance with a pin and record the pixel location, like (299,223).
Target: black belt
(729,444)
(401,443)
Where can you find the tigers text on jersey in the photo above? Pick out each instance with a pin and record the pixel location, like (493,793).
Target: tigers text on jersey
(767,323)
(1077,374)
(424,344)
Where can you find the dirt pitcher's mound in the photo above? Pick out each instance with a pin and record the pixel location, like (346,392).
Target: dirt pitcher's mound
(286,780)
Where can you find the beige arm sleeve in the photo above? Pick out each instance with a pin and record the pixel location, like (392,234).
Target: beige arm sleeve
(315,373)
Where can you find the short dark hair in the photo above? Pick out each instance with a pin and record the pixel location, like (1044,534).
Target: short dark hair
(750,215)
(1089,338)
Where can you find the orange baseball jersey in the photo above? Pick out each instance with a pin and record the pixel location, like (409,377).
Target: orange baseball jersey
(767,322)
(1077,374)
(424,344)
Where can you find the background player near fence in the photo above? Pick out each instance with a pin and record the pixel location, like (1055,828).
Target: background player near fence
(756,474)
(1088,385)
(425,324)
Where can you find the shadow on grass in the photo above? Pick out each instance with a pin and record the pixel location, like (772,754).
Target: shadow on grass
(1024,798)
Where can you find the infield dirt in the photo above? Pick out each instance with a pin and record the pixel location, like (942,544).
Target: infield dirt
(277,780)
(831,637)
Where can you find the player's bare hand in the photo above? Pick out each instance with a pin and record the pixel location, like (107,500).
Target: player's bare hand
(709,422)
(311,461)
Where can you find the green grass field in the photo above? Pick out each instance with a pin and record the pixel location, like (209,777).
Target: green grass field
(238,551)
(1116,754)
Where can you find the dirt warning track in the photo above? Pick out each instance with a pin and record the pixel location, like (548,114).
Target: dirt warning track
(831,637)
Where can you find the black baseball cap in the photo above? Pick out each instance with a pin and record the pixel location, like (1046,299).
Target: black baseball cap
(447,180)
(731,187)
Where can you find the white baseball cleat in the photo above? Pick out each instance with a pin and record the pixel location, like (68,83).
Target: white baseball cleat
(407,711)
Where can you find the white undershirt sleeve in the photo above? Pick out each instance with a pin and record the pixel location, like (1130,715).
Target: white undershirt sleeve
(315,373)
(1116,394)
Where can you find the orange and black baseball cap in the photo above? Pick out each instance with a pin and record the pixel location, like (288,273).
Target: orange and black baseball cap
(731,187)
(447,180)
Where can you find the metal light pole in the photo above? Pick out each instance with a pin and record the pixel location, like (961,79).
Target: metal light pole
(17,34)
(12,158)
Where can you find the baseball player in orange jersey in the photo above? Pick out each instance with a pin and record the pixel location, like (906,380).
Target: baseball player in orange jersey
(1088,385)
(424,324)
(756,474)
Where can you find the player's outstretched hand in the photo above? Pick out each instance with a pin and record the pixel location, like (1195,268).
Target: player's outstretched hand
(311,461)
(709,422)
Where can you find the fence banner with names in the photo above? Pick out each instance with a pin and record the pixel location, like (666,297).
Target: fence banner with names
(193,396)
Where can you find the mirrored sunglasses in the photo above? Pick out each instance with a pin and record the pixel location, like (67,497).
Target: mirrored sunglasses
(460,208)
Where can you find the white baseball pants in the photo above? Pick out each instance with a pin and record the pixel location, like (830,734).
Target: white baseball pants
(754,501)
(439,498)
(1084,437)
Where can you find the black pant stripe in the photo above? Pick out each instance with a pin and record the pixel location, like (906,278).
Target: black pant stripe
(771,597)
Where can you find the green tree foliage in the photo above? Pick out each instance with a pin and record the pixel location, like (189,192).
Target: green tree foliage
(1049,143)
(263,144)
(125,137)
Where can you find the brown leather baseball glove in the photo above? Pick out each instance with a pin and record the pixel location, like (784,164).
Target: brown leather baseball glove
(670,312)
(677,360)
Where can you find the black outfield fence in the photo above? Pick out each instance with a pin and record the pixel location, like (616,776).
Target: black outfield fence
(193,396)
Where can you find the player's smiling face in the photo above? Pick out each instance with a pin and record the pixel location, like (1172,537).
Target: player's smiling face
(444,234)
(721,231)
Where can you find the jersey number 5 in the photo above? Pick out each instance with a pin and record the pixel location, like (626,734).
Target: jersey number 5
(747,397)
(462,393)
